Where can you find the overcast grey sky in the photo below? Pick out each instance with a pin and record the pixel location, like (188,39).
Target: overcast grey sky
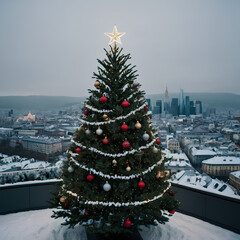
(50,47)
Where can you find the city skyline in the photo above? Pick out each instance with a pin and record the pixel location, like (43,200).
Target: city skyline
(50,47)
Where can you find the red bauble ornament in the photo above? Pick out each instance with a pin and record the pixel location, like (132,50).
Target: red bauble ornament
(146,108)
(67,204)
(124,127)
(90,177)
(126,144)
(78,150)
(127,223)
(171,193)
(103,99)
(172,212)
(105,140)
(158,141)
(86,213)
(125,104)
(141,184)
(86,112)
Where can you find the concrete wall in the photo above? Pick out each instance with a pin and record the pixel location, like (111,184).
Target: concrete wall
(17,198)
(220,210)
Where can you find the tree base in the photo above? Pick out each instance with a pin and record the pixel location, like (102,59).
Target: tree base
(135,235)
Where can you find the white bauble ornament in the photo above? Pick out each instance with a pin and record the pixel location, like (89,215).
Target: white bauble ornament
(99,131)
(106,187)
(70,169)
(145,136)
(88,132)
(155,150)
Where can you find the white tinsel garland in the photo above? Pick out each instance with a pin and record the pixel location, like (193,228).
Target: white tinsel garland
(114,120)
(92,170)
(118,204)
(97,110)
(113,155)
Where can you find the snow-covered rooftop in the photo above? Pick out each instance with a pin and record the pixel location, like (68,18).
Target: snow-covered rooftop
(39,225)
(236,174)
(202,152)
(223,160)
(195,180)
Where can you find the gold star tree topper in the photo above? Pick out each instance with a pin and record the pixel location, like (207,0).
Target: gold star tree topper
(115,36)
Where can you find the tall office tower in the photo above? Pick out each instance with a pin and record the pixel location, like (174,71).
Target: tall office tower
(187,106)
(174,107)
(192,108)
(181,103)
(198,106)
(149,104)
(166,105)
(159,104)
(158,108)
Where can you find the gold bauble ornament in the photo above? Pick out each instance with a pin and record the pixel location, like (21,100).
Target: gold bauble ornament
(97,84)
(167,173)
(138,125)
(128,168)
(114,162)
(105,116)
(155,150)
(63,199)
(160,174)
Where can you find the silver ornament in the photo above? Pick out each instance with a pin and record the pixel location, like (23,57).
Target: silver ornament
(99,131)
(70,169)
(106,187)
(88,132)
(145,136)
(155,150)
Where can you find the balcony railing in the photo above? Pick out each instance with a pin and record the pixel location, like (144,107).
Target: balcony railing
(217,209)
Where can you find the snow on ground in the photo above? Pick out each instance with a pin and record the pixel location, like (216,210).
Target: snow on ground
(39,225)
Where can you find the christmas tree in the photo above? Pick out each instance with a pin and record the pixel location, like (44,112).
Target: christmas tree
(115,180)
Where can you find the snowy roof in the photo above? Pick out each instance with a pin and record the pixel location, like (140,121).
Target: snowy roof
(202,152)
(236,174)
(43,140)
(202,182)
(223,160)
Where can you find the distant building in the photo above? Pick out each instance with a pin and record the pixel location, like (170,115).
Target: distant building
(27,132)
(187,106)
(181,103)
(234,180)
(6,131)
(46,146)
(173,145)
(174,107)
(29,118)
(66,143)
(192,108)
(221,166)
(198,106)
(177,162)
(199,155)
(158,108)
(166,104)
